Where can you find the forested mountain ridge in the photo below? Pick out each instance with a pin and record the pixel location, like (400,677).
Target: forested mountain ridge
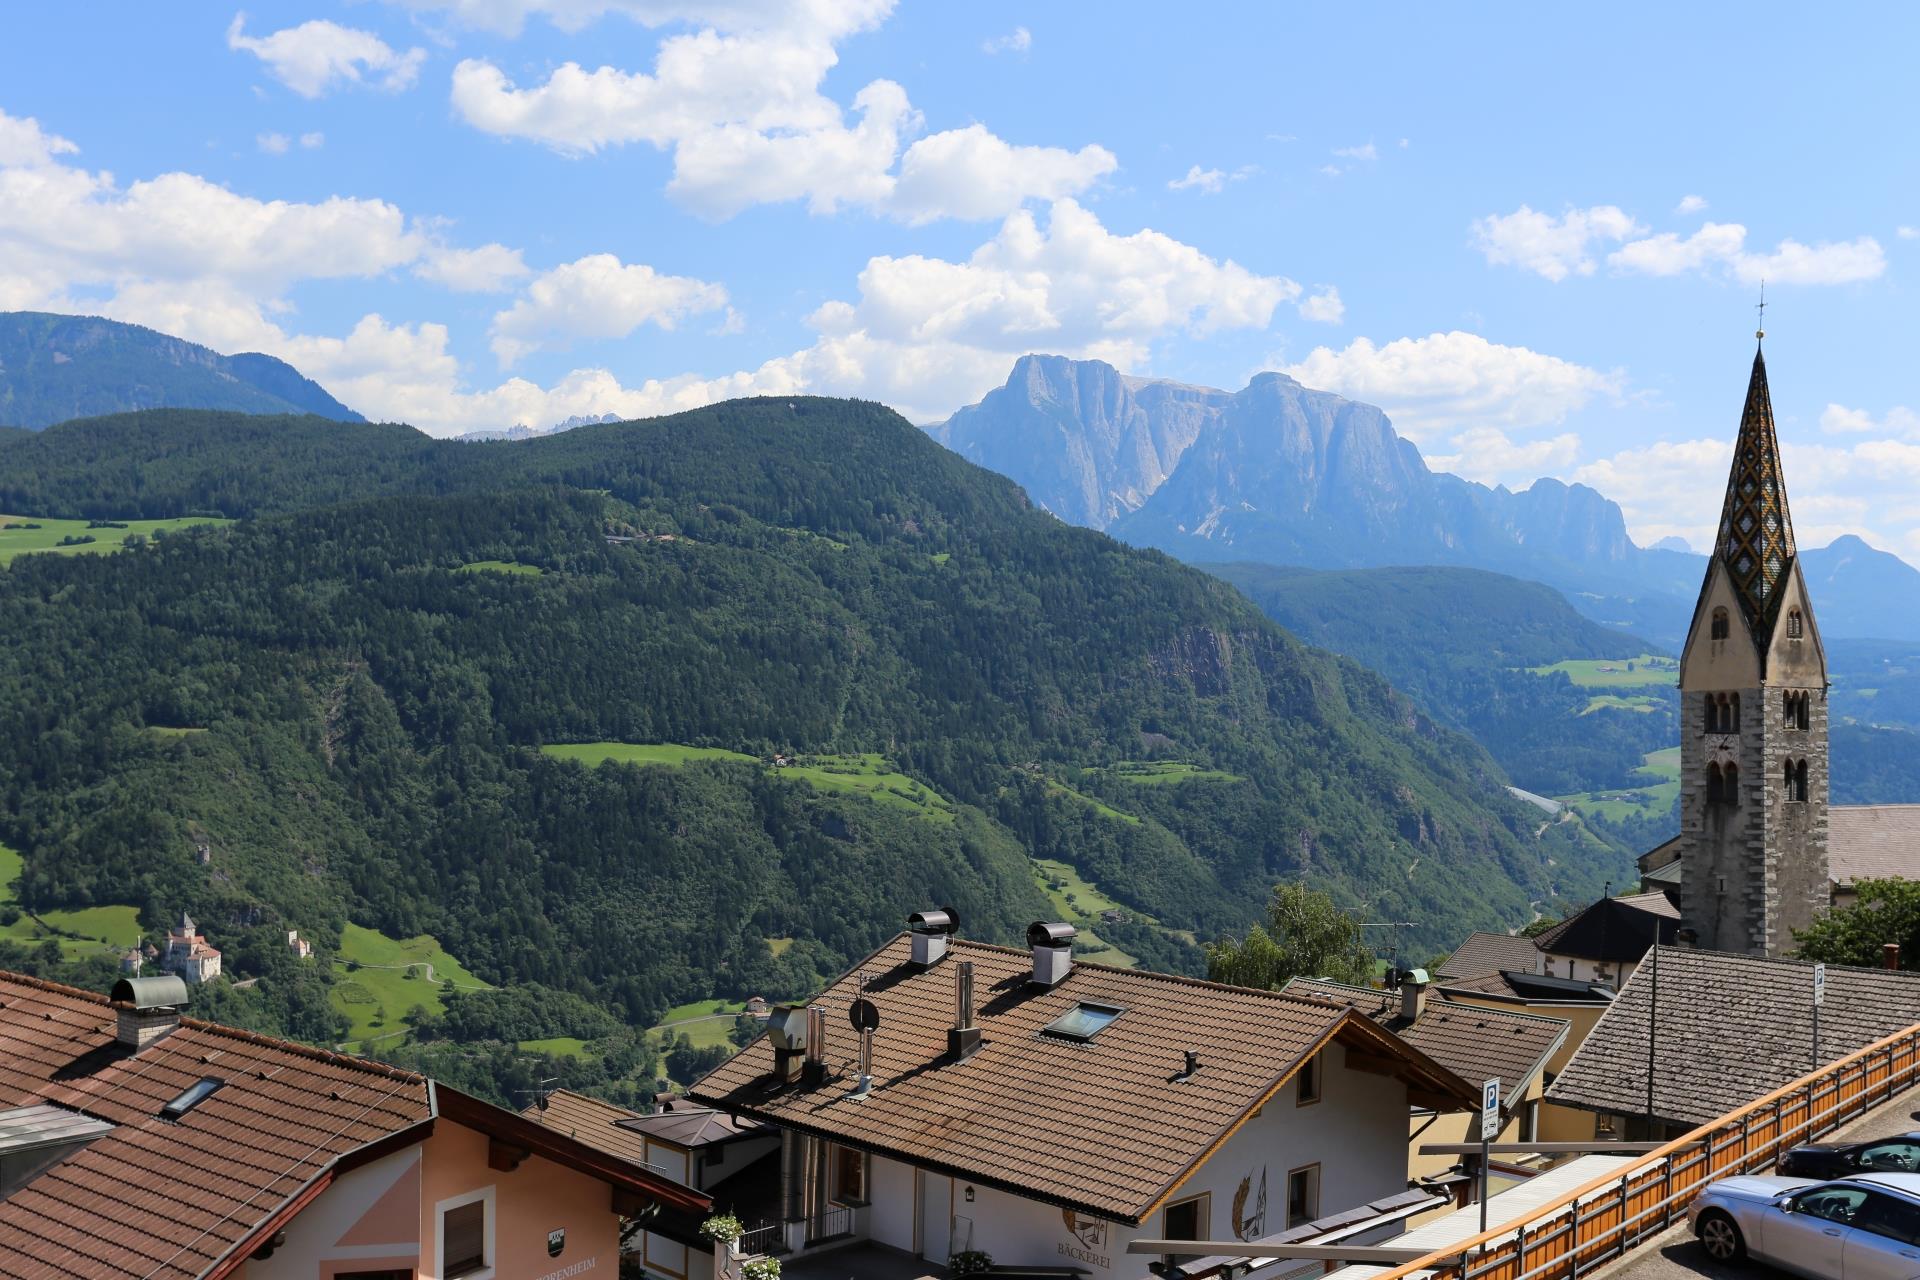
(769,577)
(57,367)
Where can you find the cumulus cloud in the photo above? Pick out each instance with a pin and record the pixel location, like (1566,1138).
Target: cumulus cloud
(312,140)
(1837,419)
(274,144)
(1211,181)
(1324,307)
(1448,382)
(24,142)
(1491,456)
(487,269)
(738,105)
(1365,151)
(1908,233)
(318,55)
(598,296)
(1548,246)
(1690,204)
(1018,40)
(1557,247)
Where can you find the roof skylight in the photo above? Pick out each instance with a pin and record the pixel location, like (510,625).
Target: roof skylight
(198,1092)
(1084,1021)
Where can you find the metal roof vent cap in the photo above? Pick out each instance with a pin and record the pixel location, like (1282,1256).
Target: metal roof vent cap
(1052,944)
(932,933)
(1413,994)
(147,1009)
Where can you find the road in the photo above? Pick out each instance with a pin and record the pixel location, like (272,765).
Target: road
(1675,1255)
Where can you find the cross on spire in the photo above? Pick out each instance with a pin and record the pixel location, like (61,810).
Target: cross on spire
(1760,329)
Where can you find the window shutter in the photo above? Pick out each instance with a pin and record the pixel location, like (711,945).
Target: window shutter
(465,1231)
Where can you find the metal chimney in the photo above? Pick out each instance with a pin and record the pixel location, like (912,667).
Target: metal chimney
(963,1039)
(1052,945)
(815,1068)
(932,932)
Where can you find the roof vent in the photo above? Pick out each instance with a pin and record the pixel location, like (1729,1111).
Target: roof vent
(146,1009)
(1052,945)
(787,1033)
(932,932)
(1192,1068)
(1413,994)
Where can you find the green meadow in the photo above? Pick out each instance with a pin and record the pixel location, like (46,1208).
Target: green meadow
(18,540)
(378,980)
(1659,784)
(1644,671)
(1162,772)
(864,774)
(502,566)
(96,929)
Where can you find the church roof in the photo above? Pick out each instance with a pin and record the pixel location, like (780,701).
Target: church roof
(1756,530)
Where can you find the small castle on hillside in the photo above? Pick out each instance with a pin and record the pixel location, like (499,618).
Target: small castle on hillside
(189,954)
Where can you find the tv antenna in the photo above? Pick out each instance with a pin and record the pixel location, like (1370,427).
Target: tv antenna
(540,1092)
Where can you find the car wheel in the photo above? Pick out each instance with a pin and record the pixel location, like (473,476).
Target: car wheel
(1720,1237)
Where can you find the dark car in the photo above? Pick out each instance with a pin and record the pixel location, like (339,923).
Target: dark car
(1898,1154)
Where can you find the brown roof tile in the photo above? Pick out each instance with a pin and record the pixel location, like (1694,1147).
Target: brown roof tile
(169,1199)
(1732,1028)
(1472,1041)
(1484,953)
(1045,1116)
(593,1122)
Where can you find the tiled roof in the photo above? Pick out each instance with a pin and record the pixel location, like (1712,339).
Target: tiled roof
(690,1125)
(1614,930)
(1731,1029)
(593,1122)
(1531,988)
(1873,842)
(1099,1125)
(1472,1041)
(1489,953)
(171,1199)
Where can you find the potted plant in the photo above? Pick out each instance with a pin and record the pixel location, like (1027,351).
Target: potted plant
(760,1269)
(721,1228)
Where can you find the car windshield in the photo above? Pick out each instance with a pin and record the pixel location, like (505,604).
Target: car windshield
(1837,1204)
(1890,1155)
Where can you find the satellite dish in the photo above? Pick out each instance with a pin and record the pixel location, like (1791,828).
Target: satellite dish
(864,1016)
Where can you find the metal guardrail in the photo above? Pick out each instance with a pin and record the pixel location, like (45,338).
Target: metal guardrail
(1602,1220)
(830,1223)
(762,1238)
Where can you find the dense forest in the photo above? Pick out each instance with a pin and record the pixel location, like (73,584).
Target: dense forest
(350,718)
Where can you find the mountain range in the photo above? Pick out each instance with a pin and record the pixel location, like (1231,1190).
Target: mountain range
(56,367)
(1281,474)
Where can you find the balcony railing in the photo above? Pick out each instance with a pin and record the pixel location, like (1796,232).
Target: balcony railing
(1602,1220)
(830,1223)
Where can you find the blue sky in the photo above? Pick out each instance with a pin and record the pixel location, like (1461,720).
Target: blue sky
(1533,235)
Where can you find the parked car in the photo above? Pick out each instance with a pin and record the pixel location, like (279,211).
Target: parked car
(1866,1227)
(1898,1154)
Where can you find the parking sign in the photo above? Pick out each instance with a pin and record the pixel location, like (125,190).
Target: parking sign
(1819,985)
(1489,1111)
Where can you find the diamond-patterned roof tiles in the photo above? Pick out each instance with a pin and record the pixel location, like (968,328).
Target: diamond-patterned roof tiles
(1756,529)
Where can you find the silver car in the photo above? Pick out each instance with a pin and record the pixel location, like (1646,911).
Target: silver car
(1866,1227)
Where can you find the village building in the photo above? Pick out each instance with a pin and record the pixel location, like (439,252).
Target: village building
(721,1156)
(138,1143)
(1696,1034)
(189,954)
(1476,1043)
(1048,1113)
(301,948)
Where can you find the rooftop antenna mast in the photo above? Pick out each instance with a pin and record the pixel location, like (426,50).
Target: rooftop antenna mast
(541,1090)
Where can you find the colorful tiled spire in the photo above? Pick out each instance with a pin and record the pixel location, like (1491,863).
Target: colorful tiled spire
(1756,530)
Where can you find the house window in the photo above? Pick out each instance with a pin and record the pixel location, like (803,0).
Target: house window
(1307,1084)
(466,1235)
(1187,1219)
(849,1176)
(1303,1195)
(1084,1021)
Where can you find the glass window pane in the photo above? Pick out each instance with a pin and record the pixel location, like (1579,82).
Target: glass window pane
(1083,1022)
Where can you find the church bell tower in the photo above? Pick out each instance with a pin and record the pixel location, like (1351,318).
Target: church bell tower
(1753,717)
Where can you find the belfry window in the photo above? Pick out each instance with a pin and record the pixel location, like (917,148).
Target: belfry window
(1805,720)
(1796,781)
(1796,625)
(1716,787)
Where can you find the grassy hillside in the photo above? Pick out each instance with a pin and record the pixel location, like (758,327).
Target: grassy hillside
(807,579)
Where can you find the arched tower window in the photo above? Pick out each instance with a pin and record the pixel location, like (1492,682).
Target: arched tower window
(1796,781)
(1716,791)
(1733,714)
(1720,625)
(1805,718)
(1796,625)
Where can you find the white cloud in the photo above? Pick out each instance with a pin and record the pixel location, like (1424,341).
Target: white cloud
(1211,181)
(23,142)
(1324,306)
(598,296)
(1548,246)
(1559,247)
(487,269)
(1365,151)
(738,105)
(1667,489)
(505,17)
(1690,204)
(274,144)
(1908,233)
(1450,382)
(1489,455)
(313,57)
(312,140)
(1018,40)
(1837,419)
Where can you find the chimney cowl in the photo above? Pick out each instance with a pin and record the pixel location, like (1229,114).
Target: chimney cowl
(146,1009)
(1413,994)
(932,933)
(1052,944)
